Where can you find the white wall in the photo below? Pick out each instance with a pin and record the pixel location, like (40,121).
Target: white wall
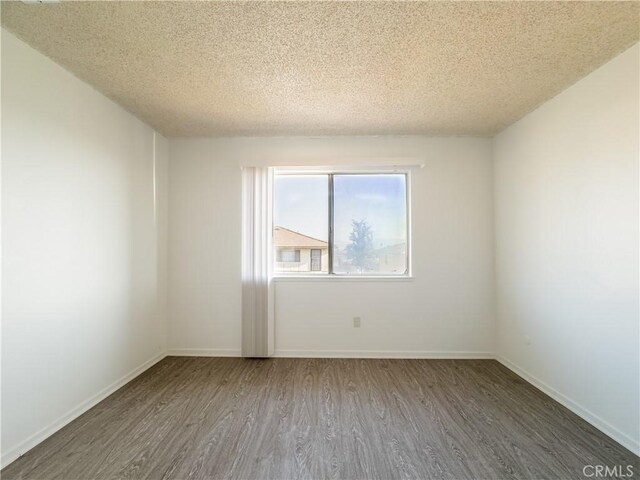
(567,246)
(447,309)
(83,273)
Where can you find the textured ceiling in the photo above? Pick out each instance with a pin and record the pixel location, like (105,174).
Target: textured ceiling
(218,68)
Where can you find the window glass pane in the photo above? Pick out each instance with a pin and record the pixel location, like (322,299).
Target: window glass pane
(301,223)
(370,224)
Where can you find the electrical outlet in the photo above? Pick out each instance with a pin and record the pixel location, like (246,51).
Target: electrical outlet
(356,322)
(527,341)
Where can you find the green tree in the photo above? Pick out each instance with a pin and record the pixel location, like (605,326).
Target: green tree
(360,250)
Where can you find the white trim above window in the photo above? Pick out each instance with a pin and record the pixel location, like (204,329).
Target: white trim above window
(339,163)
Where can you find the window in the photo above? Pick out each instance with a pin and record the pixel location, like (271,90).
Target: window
(340,223)
(301,222)
(288,255)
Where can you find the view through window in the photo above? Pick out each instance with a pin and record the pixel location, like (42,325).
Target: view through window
(340,223)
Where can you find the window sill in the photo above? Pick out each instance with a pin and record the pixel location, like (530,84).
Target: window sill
(342,278)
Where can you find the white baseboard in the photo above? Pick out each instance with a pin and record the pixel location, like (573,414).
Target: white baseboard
(23,447)
(204,352)
(283,353)
(409,354)
(602,425)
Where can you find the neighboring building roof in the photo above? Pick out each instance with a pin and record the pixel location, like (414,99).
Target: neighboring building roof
(283,237)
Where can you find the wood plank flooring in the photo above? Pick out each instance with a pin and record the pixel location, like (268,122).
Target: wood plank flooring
(210,418)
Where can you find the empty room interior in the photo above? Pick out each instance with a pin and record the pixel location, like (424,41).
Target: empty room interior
(320,240)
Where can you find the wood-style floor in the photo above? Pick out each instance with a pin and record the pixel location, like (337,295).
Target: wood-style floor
(209,418)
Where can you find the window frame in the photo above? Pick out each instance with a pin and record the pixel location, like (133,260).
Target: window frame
(330,274)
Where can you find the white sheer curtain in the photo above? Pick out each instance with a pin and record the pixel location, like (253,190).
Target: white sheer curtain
(257,286)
